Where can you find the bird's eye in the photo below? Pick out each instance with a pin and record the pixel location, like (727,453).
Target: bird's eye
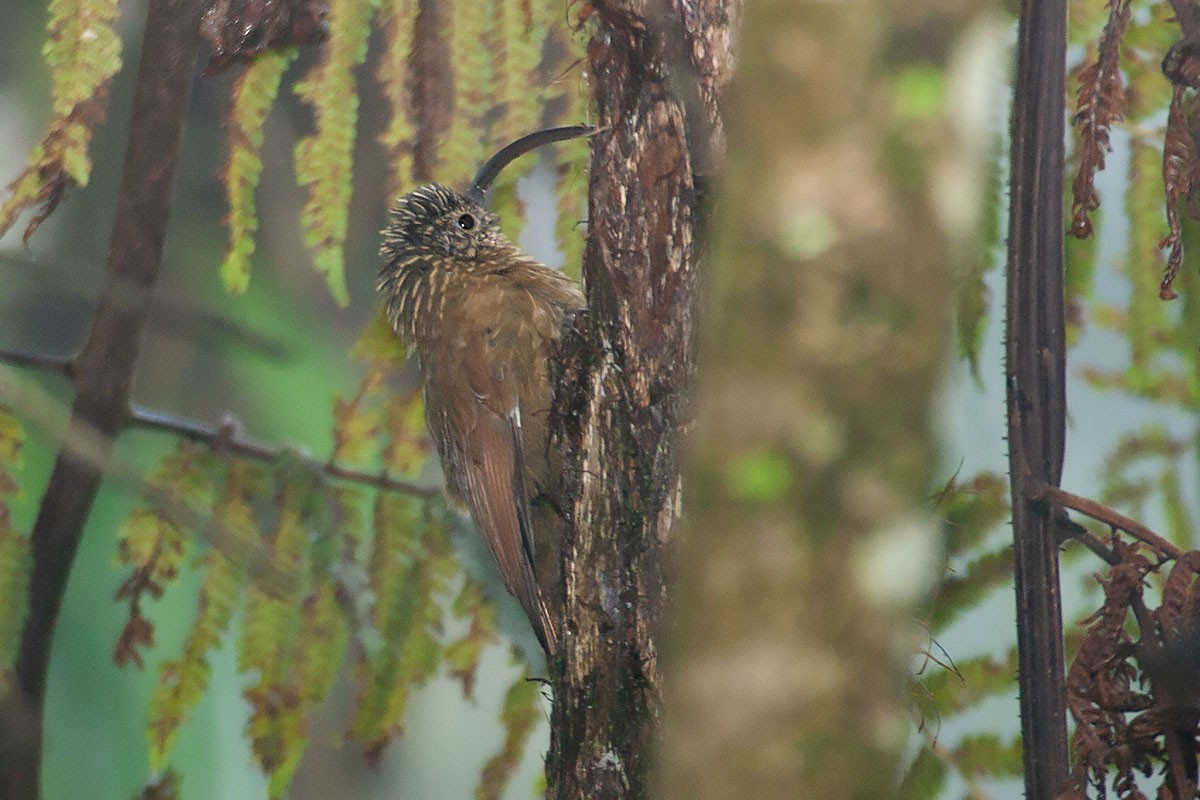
(466,222)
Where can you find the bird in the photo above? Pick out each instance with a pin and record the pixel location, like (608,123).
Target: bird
(483,320)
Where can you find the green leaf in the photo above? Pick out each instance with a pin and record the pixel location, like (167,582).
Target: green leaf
(958,594)
(15,559)
(397,18)
(83,52)
(925,777)
(181,683)
(519,715)
(324,160)
(254,93)
(410,566)
(953,691)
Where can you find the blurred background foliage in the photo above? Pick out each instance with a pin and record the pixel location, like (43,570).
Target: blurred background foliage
(1131,436)
(270,345)
(374,610)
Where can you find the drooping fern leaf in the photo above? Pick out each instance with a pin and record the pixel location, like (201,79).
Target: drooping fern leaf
(271,624)
(153,541)
(519,715)
(254,93)
(470,54)
(83,53)
(410,567)
(15,560)
(324,160)
(182,682)
(396,19)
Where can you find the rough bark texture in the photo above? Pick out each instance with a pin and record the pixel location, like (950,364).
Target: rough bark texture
(104,370)
(824,327)
(656,70)
(1036,362)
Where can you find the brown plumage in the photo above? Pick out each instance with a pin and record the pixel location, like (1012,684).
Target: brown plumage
(483,319)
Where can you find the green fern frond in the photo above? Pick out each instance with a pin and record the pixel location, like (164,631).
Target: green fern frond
(958,594)
(83,53)
(15,559)
(254,93)
(181,683)
(409,569)
(971,510)
(470,54)
(378,342)
(463,654)
(271,630)
(970,682)
(408,446)
(396,19)
(324,160)
(322,644)
(1143,264)
(1081,259)
(570,230)
(505,201)
(925,777)
(986,755)
(357,420)
(520,42)
(571,89)
(519,715)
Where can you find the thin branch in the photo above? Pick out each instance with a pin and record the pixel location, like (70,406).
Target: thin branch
(47,363)
(1069,529)
(228,436)
(1109,516)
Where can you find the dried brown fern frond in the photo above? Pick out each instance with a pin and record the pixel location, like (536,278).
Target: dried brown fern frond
(1136,696)
(1099,103)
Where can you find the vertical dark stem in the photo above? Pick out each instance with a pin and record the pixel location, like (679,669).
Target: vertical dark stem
(1036,396)
(104,371)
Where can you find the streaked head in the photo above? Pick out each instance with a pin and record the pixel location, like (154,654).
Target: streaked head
(434,221)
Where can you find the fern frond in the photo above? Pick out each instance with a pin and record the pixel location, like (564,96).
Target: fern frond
(465,146)
(83,53)
(958,594)
(410,567)
(272,630)
(324,160)
(408,446)
(254,93)
(181,683)
(15,559)
(153,543)
(397,18)
(1143,263)
(520,37)
(463,654)
(519,715)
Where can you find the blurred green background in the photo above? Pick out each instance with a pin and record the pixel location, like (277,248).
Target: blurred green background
(273,357)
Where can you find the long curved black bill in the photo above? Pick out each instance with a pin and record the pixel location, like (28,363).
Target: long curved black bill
(510,152)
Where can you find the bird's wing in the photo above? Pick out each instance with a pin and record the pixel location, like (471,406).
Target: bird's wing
(487,471)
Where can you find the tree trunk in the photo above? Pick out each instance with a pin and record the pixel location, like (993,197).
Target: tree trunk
(657,69)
